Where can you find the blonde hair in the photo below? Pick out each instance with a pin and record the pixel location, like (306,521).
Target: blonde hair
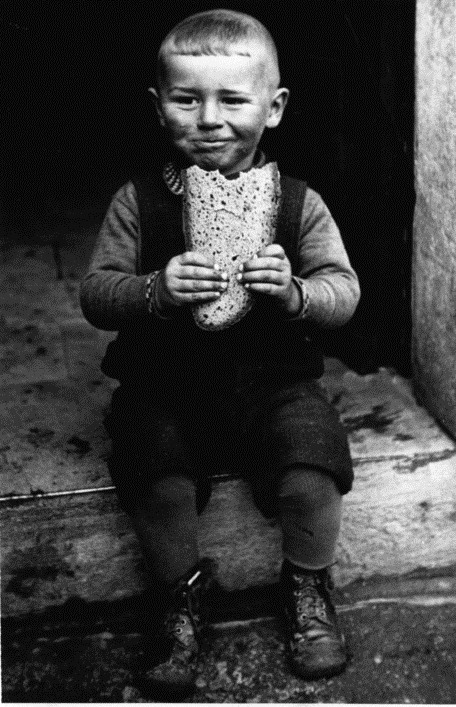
(217,32)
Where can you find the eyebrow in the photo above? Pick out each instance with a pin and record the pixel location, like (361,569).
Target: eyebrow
(222,91)
(232,91)
(197,52)
(182,88)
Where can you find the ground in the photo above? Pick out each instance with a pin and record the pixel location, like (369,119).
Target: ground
(402,650)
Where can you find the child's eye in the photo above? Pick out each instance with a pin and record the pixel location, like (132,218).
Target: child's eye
(186,100)
(233,100)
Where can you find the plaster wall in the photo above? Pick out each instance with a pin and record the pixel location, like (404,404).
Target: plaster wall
(434,266)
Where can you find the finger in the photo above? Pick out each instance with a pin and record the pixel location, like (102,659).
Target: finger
(267,276)
(195,272)
(194,285)
(266,288)
(273,249)
(195,297)
(192,257)
(263,263)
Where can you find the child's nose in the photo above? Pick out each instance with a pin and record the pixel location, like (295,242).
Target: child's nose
(209,115)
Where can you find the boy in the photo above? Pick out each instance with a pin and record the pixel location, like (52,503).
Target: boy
(187,394)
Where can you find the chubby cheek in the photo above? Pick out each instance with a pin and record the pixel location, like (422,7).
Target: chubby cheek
(176,131)
(175,125)
(249,136)
(252,127)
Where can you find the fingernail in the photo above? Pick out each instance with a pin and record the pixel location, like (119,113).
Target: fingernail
(241,267)
(239,277)
(216,266)
(224,285)
(225,276)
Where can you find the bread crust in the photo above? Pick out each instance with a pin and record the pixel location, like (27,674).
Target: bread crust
(230,220)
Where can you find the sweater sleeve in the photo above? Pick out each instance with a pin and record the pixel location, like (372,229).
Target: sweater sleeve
(329,284)
(112,294)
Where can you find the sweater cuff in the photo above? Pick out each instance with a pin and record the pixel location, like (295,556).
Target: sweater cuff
(305,299)
(151,298)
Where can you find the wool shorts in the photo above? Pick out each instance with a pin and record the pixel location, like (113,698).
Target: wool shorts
(251,424)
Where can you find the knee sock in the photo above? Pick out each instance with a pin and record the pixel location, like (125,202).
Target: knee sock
(166,523)
(310,508)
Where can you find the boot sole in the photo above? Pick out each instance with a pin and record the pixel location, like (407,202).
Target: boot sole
(317,673)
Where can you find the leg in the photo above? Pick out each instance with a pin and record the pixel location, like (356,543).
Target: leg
(310,511)
(152,466)
(166,523)
(308,468)
(310,507)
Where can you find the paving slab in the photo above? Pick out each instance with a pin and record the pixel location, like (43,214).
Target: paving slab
(75,241)
(30,287)
(397,519)
(401,652)
(52,438)
(30,352)
(55,549)
(382,416)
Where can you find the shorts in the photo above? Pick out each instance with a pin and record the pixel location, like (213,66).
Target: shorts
(251,425)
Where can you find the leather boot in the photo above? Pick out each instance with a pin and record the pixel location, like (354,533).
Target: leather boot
(176,646)
(315,644)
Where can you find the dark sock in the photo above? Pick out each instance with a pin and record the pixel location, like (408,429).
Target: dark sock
(310,507)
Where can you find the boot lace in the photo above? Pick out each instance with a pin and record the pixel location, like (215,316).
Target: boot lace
(311,602)
(183,623)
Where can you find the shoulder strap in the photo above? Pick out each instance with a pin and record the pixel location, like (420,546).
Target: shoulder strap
(160,230)
(290,215)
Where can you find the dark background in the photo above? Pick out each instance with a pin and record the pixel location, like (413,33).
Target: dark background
(77,120)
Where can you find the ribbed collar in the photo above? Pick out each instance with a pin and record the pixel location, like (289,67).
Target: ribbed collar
(173,179)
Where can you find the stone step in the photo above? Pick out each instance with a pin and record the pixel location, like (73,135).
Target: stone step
(63,533)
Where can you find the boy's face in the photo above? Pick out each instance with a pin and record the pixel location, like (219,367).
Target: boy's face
(216,107)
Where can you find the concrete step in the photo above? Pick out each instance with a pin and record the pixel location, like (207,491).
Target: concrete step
(63,533)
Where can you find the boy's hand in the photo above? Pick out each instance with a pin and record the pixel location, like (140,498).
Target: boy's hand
(189,278)
(269,273)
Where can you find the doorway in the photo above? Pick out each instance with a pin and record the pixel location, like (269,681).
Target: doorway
(77,91)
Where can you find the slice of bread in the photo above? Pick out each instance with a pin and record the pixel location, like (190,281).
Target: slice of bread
(229,220)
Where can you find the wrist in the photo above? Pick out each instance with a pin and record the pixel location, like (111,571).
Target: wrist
(293,304)
(304,301)
(154,297)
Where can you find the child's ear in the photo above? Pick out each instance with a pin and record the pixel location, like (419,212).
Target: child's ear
(278,103)
(157,104)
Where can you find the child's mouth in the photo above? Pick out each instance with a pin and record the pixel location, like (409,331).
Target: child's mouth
(211,144)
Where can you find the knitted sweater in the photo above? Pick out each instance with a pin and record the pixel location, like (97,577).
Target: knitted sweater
(113,293)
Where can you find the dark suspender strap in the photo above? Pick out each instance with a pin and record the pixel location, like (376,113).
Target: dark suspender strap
(290,216)
(160,231)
